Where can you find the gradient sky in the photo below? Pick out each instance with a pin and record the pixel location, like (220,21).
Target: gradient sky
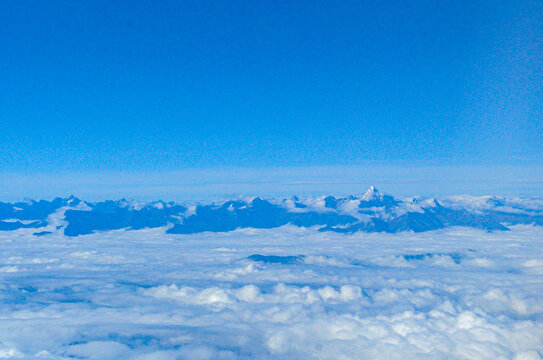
(150,85)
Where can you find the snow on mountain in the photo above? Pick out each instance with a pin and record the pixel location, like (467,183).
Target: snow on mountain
(373,211)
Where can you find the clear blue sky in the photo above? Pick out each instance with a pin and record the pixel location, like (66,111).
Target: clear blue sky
(154,85)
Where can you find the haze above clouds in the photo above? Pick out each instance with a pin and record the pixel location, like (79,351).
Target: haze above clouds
(210,184)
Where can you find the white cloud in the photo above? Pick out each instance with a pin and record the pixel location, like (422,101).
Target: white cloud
(457,293)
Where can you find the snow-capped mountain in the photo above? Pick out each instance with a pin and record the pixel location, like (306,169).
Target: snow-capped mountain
(373,211)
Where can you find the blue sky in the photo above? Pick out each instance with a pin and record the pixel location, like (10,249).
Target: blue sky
(172,85)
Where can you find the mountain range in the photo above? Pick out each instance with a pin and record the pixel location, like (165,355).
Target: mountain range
(371,211)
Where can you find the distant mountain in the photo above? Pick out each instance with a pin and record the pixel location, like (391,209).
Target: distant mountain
(372,211)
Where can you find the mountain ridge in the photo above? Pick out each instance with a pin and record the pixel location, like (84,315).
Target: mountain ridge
(373,211)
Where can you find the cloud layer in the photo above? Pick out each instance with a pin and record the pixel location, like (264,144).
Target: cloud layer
(284,293)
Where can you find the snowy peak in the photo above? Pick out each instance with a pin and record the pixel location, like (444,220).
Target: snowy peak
(371,194)
(372,212)
(374,198)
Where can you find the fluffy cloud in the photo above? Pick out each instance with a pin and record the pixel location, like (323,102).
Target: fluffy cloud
(455,293)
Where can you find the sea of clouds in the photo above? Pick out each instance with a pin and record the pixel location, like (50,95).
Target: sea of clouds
(449,294)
